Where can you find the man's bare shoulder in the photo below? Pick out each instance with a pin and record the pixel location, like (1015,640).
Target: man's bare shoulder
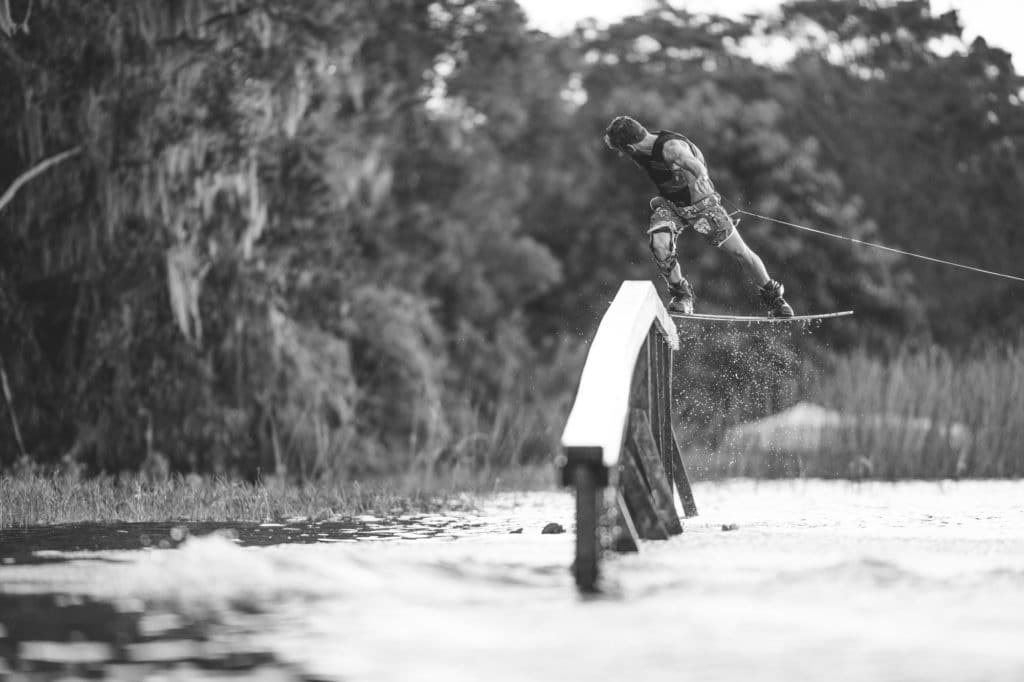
(681,154)
(677,150)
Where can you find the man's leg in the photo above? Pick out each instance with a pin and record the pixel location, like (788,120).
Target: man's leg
(663,248)
(753,266)
(770,290)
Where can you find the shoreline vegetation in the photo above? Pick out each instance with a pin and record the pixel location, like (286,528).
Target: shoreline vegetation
(33,498)
(926,414)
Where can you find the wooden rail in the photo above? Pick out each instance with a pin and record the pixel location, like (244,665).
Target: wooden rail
(619,448)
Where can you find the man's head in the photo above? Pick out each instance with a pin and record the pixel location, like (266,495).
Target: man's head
(623,132)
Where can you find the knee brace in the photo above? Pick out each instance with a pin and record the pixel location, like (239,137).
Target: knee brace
(663,248)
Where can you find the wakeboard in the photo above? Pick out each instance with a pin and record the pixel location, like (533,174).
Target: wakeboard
(758,318)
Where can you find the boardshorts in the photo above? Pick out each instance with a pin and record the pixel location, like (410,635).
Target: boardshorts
(706,217)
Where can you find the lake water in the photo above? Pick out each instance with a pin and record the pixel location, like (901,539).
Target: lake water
(821,580)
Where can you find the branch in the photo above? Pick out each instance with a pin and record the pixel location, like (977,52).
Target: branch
(227,15)
(39,168)
(7,23)
(16,59)
(28,15)
(9,401)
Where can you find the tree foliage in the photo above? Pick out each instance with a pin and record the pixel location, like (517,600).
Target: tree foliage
(325,236)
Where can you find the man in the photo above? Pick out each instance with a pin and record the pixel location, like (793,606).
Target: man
(687,199)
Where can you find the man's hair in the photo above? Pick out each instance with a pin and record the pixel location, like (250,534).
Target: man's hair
(623,131)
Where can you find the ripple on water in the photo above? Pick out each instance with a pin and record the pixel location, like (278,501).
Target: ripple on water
(821,580)
(49,637)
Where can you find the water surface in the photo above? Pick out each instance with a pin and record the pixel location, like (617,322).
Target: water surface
(821,580)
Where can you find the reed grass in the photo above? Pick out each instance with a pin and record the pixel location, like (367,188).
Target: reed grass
(506,445)
(927,414)
(29,498)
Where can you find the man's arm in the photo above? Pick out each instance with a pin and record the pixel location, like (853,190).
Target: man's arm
(679,155)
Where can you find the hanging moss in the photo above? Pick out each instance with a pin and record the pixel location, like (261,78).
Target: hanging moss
(189,113)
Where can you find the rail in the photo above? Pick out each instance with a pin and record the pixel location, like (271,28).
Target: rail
(619,450)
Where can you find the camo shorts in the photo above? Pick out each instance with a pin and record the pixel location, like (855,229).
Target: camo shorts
(706,217)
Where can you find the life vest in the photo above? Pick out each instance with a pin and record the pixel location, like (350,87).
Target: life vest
(672,184)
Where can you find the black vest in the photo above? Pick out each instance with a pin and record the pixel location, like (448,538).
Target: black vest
(673,185)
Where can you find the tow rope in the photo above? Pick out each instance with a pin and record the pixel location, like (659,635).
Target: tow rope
(879,246)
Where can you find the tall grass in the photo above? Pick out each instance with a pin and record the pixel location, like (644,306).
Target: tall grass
(921,414)
(504,443)
(470,436)
(30,498)
(983,391)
